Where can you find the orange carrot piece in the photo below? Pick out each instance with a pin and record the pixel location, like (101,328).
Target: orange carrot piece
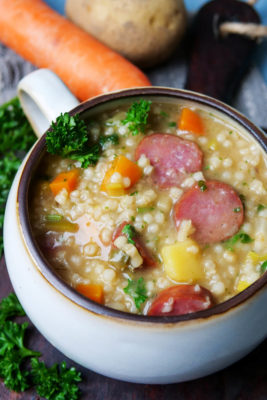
(93,292)
(48,40)
(125,167)
(65,180)
(190,121)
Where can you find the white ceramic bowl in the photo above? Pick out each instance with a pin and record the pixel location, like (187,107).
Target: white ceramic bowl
(120,345)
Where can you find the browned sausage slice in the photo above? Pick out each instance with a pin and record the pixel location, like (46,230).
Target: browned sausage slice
(173,158)
(148,259)
(216,213)
(181,299)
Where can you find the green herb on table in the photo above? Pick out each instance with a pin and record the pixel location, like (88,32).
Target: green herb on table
(239,237)
(136,116)
(137,290)
(57,382)
(15,131)
(130,233)
(10,307)
(9,165)
(12,349)
(263,267)
(12,356)
(16,137)
(68,138)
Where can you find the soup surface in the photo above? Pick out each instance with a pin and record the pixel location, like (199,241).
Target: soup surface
(171,219)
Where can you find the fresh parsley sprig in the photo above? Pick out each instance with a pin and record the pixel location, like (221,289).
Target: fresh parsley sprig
(15,131)
(137,290)
(16,137)
(10,307)
(55,383)
(136,116)
(12,355)
(68,138)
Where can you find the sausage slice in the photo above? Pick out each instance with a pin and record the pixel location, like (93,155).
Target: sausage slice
(216,212)
(181,299)
(173,158)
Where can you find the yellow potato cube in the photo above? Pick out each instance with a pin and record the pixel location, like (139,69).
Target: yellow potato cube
(242,285)
(256,258)
(213,145)
(182,261)
(115,189)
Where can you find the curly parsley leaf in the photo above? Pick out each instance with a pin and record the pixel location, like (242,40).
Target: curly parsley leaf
(14,377)
(57,382)
(16,136)
(68,138)
(137,290)
(12,356)
(9,165)
(136,116)
(130,233)
(10,307)
(239,237)
(15,131)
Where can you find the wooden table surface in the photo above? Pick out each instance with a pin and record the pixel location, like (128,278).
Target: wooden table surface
(245,380)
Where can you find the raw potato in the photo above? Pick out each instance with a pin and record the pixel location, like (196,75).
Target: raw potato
(144,31)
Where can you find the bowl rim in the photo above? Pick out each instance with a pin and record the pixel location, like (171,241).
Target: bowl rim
(46,269)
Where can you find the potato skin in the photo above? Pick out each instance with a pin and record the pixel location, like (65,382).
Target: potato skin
(144,31)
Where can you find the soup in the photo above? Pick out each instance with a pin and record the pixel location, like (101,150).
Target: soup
(170,218)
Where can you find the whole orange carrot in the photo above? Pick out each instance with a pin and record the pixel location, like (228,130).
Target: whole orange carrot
(48,40)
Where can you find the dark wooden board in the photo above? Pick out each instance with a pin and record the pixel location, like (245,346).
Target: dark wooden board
(245,380)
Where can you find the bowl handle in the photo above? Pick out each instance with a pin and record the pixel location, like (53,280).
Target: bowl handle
(43,97)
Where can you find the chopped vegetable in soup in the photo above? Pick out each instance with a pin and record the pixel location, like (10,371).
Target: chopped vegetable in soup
(153,208)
